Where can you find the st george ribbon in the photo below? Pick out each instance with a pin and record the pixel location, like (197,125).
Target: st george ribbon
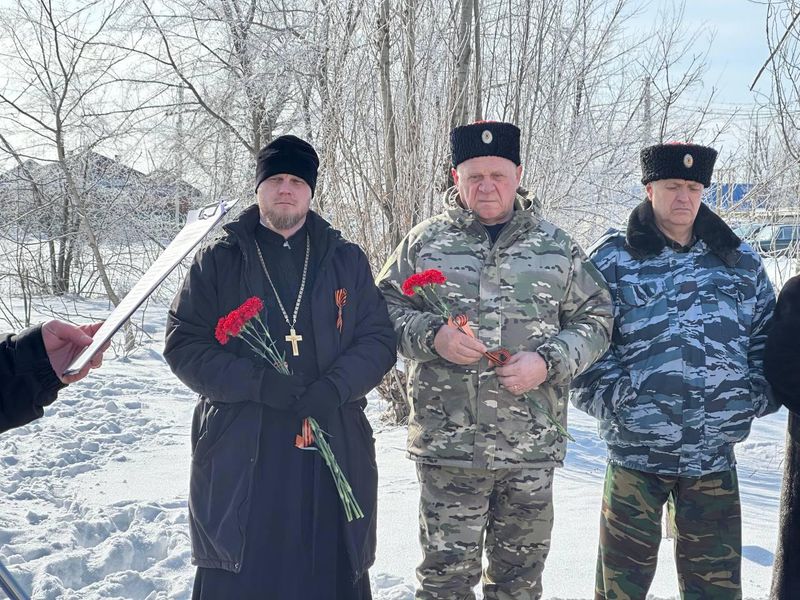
(188,237)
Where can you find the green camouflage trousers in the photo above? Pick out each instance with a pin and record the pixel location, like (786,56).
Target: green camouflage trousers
(509,512)
(708,534)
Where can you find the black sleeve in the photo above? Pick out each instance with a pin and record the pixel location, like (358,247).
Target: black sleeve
(27,381)
(362,365)
(782,352)
(192,351)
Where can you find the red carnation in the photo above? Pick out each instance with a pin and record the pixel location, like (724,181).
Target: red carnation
(221,332)
(417,280)
(251,307)
(231,325)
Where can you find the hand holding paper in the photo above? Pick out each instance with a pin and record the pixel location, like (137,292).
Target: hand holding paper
(64,341)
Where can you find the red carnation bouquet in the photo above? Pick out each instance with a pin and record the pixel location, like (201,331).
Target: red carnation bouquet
(245,323)
(424,284)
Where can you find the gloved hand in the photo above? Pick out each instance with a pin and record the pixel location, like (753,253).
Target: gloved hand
(280,391)
(319,400)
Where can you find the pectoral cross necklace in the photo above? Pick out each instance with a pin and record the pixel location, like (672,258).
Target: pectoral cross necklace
(293,338)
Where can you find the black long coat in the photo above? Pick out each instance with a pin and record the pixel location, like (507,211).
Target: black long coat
(227,425)
(27,381)
(782,368)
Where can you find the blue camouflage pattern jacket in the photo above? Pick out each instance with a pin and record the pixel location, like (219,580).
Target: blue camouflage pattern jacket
(684,376)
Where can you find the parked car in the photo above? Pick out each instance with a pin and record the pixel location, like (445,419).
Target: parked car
(778,238)
(748,231)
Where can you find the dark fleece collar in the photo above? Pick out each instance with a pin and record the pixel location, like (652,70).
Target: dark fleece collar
(643,239)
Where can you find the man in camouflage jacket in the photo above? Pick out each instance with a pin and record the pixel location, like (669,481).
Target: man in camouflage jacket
(681,383)
(485,456)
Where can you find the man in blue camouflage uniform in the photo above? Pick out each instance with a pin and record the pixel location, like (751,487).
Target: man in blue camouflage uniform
(681,383)
(485,457)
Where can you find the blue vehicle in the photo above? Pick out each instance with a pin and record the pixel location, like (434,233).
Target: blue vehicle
(778,239)
(748,231)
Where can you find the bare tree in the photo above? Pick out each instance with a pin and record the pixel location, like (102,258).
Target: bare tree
(70,97)
(222,52)
(783,66)
(773,159)
(59,71)
(376,87)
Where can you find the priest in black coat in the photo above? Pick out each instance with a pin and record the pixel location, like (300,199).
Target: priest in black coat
(265,517)
(782,368)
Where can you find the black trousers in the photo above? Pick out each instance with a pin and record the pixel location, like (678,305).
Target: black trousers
(294,546)
(786,570)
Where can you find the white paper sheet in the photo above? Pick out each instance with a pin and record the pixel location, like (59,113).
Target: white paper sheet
(188,237)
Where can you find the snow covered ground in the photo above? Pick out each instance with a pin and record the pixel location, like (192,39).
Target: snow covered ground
(94,494)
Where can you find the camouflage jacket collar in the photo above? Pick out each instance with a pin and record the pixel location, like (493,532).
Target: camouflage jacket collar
(643,239)
(466,219)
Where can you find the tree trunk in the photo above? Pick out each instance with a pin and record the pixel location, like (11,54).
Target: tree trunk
(389,127)
(460,99)
(477,83)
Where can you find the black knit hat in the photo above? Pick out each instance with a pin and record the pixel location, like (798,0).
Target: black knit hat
(678,161)
(485,138)
(288,154)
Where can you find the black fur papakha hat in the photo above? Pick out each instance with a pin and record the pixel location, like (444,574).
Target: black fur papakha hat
(678,161)
(288,154)
(485,138)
